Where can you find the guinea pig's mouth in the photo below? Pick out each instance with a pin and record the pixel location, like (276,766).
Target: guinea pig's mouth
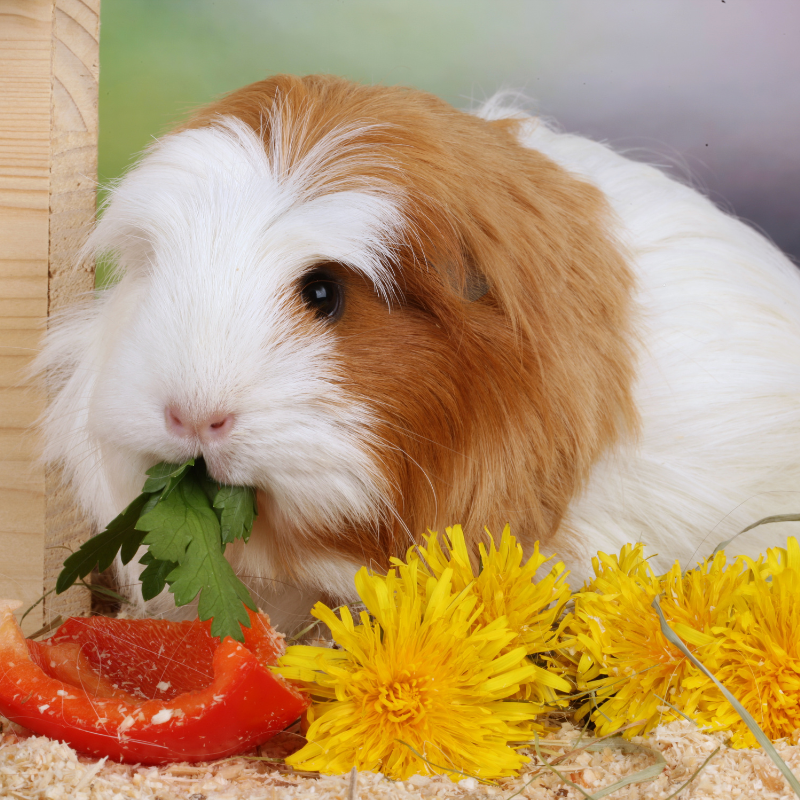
(219,469)
(225,469)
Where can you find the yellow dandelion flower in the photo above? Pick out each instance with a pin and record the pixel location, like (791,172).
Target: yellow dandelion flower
(622,660)
(417,670)
(762,668)
(777,560)
(507,587)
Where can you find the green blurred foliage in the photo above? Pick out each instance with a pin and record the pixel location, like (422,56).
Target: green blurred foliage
(159,59)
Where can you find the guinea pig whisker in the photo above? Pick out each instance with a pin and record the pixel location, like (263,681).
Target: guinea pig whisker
(270,581)
(401,523)
(420,438)
(410,433)
(422,470)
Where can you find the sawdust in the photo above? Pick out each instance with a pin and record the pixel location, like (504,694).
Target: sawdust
(36,768)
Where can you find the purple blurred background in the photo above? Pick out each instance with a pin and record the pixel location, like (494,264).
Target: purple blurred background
(708,88)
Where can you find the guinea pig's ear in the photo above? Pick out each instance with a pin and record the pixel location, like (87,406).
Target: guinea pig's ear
(466,280)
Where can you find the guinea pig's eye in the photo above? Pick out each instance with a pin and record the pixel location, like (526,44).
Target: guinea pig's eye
(323,293)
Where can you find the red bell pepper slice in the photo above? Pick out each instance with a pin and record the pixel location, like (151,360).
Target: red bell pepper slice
(146,691)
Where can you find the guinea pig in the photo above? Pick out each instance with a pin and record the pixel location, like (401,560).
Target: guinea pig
(390,316)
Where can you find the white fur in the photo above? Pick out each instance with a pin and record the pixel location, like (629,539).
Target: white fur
(210,238)
(718,385)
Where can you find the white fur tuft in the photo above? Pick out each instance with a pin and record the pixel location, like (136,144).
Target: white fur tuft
(718,385)
(211,235)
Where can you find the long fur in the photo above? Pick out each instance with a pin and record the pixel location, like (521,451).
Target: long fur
(536,330)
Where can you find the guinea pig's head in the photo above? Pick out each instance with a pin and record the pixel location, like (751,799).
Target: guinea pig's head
(384,314)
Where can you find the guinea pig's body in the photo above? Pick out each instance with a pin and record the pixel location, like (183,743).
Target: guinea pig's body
(388,315)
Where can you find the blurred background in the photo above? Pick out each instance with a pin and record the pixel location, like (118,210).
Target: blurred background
(709,89)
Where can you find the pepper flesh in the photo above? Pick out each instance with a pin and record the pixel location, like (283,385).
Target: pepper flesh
(54,689)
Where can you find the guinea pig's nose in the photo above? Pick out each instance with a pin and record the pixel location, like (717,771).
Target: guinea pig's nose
(215,427)
(212,428)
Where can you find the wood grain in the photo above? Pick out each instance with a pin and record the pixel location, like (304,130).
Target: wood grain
(73,188)
(48,167)
(25,81)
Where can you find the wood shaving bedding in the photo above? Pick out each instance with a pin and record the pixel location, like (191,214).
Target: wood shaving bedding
(37,768)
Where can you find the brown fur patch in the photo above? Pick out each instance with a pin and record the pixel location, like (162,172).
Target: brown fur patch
(494,410)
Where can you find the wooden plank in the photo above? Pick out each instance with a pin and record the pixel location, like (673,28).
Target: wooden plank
(33,308)
(48,165)
(17,410)
(18,578)
(25,80)
(73,197)
(19,475)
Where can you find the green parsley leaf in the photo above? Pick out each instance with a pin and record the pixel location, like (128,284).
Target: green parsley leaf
(176,520)
(100,550)
(206,571)
(186,519)
(165,477)
(154,575)
(210,486)
(134,541)
(239,510)
(184,528)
